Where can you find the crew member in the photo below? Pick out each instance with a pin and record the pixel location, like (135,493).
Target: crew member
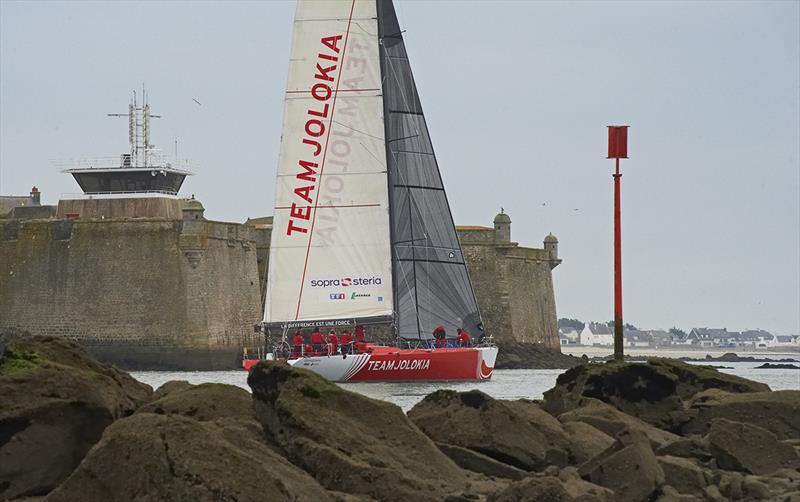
(441,337)
(297,344)
(318,342)
(347,342)
(333,342)
(360,344)
(464,340)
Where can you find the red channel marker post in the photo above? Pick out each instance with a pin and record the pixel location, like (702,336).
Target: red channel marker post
(617,149)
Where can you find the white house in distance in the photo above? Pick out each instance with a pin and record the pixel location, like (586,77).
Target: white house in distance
(569,336)
(597,333)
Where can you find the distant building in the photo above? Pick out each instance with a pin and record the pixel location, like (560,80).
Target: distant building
(661,338)
(597,333)
(569,336)
(707,337)
(786,341)
(636,338)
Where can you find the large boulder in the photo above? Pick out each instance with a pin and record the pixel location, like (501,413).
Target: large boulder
(652,391)
(477,462)
(205,402)
(778,411)
(518,433)
(629,468)
(585,441)
(562,488)
(684,475)
(56,402)
(611,421)
(150,457)
(738,446)
(349,442)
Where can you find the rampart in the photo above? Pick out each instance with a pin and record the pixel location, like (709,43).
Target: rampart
(140,292)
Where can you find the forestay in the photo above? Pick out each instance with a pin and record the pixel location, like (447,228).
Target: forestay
(330,251)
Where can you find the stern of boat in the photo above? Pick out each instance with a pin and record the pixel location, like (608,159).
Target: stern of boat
(488,356)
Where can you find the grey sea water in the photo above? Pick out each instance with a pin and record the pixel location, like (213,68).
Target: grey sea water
(505,384)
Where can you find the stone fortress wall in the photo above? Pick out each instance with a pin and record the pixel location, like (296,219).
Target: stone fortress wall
(513,284)
(169,289)
(156,291)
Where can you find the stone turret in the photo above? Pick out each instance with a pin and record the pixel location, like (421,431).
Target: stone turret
(36,197)
(502,227)
(193,210)
(551,245)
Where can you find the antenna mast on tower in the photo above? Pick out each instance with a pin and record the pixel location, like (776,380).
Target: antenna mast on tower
(138,130)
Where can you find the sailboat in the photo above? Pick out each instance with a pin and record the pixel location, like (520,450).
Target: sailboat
(362,231)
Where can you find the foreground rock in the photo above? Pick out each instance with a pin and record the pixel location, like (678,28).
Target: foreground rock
(654,392)
(778,411)
(518,433)
(349,442)
(748,448)
(516,355)
(56,402)
(629,468)
(566,486)
(171,457)
(611,421)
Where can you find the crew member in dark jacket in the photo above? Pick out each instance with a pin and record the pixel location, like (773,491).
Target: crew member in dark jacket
(441,337)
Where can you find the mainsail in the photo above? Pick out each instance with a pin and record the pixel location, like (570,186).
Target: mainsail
(362,226)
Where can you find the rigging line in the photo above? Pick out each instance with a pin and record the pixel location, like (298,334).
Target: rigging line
(324,156)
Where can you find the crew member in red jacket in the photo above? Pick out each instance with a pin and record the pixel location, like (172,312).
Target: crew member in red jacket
(297,344)
(333,342)
(464,340)
(360,345)
(318,342)
(347,342)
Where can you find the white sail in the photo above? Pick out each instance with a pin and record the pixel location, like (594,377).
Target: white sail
(330,250)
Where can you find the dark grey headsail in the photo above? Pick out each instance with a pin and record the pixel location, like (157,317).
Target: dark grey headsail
(431,283)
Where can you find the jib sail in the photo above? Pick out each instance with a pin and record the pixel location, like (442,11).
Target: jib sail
(432,286)
(330,250)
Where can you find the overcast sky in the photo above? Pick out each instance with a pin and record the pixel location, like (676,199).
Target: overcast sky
(517,96)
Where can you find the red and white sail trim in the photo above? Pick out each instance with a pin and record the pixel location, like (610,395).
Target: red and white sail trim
(330,250)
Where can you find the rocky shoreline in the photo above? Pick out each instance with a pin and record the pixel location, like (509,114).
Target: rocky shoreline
(73,429)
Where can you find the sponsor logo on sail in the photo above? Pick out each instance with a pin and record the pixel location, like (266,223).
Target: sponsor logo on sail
(395,365)
(359,295)
(337,296)
(375,280)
